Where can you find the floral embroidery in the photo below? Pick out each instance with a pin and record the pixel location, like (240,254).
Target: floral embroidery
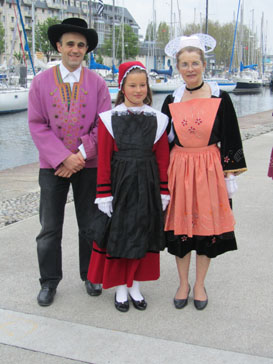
(184,122)
(226,159)
(213,240)
(198,121)
(183,238)
(191,130)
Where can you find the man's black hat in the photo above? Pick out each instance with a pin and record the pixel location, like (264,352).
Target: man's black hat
(73,25)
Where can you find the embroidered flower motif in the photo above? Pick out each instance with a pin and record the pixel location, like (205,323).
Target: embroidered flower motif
(213,240)
(226,159)
(183,238)
(192,130)
(198,121)
(184,122)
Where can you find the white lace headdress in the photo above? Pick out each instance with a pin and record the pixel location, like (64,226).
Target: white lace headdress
(204,42)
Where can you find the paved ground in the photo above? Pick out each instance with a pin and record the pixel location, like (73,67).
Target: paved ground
(236,327)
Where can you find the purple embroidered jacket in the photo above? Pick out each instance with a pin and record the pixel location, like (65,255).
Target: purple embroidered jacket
(270,168)
(60,119)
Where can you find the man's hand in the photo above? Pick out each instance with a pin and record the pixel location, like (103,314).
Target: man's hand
(62,171)
(74,163)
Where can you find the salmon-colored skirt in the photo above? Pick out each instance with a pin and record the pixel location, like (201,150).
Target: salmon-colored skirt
(112,272)
(199,202)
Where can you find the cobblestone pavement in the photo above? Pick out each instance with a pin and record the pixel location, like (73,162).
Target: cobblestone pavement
(17,209)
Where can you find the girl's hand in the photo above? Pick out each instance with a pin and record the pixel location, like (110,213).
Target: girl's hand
(106,207)
(165,199)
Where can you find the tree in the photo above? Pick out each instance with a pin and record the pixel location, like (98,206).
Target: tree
(224,35)
(130,44)
(150,33)
(42,43)
(19,56)
(2,38)
(163,35)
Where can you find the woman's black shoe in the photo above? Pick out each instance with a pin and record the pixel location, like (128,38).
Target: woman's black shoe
(200,305)
(121,306)
(183,302)
(139,305)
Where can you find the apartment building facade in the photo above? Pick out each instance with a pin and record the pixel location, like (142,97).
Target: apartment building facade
(37,11)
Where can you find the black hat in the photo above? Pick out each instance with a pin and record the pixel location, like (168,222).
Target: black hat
(72,25)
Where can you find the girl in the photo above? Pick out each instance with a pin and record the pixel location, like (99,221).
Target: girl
(133,157)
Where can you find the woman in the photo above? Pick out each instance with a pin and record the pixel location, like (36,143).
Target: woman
(206,157)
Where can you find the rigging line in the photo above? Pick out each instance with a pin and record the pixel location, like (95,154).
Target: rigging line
(25,35)
(20,36)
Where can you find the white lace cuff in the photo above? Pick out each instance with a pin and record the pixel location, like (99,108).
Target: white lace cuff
(103,199)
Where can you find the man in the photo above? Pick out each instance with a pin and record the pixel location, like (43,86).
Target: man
(64,103)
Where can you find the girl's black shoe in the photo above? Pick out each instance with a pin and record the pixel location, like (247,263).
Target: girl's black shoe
(122,306)
(139,305)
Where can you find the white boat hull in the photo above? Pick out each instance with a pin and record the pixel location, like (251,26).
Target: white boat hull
(165,87)
(13,100)
(223,83)
(113,90)
(228,87)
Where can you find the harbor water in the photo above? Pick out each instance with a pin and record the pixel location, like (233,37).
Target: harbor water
(17,147)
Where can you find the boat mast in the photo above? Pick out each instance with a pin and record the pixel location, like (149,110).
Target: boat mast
(113,37)
(154,35)
(234,37)
(33,31)
(122,34)
(262,44)
(207,15)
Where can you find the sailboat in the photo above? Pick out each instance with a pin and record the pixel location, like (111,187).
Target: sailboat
(14,98)
(248,80)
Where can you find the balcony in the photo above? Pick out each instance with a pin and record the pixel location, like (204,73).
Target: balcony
(53,5)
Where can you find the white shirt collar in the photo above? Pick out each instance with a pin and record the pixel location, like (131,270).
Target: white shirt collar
(70,76)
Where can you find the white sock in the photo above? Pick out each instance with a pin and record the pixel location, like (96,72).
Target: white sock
(122,293)
(135,292)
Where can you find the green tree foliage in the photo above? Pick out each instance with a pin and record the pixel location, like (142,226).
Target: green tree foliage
(98,58)
(150,33)
(42,43)
(224,38)
(2,38)
(19,56)
(163,35)
(192,29)
(130,44)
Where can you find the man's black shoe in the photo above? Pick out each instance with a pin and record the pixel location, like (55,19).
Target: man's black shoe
(46,296)
(93,289)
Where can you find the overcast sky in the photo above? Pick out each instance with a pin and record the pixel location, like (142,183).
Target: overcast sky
(223,11)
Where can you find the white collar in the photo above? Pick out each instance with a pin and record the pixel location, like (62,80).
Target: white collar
(179,92)
(162,119)
(134,109)
(66,73)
